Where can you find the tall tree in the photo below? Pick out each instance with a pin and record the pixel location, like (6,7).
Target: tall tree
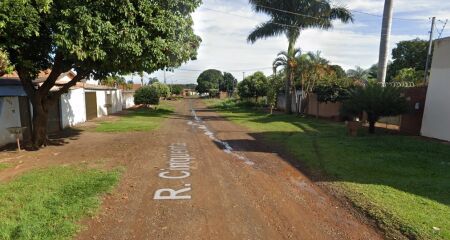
(409,54)
(92,38)
(289,62)
(229,83)
(253,86)
(290,17)
(209,79)
(313,69)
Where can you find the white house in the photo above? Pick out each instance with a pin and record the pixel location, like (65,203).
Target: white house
(127,99)
(14,109)
(102,101)
(82,102)
(436,118)
(73,108)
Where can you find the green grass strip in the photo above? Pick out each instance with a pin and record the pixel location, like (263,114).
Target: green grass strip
(137,120)
(48,203)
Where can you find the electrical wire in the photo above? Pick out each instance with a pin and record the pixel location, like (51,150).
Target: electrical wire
(443,28)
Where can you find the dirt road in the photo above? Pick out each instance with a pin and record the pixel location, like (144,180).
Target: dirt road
(202,177)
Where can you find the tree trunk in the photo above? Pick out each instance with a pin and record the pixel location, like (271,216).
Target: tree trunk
(40,120)
(288,97)
(372,127)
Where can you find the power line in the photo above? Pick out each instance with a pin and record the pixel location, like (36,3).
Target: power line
(294,13)
(236,15)
(351,10)
(235,70)
(443,28)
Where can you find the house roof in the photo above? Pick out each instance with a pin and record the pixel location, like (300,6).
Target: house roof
(135,87)
(10,84)
(12,91)
(88,86)
(5,81)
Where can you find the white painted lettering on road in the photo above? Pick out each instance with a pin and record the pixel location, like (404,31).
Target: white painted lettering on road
(179,167)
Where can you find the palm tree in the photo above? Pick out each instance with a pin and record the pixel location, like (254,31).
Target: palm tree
(359,74)
(289,62)
(290,17)
(312,69)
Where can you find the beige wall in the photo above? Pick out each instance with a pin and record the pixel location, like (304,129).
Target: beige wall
(436,119)
(326,110)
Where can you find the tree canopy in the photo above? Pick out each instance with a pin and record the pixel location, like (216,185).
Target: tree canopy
(289,18)
(409,54)
(228,83)
(92,38)
(253,86)
(209,79)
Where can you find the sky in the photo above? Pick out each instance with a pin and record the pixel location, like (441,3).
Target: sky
(224,26)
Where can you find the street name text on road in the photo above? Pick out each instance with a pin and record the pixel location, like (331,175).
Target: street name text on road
(179,168)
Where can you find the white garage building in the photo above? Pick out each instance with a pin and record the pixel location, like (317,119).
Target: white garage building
(436,118)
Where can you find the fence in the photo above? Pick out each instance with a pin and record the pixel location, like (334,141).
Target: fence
(408,123)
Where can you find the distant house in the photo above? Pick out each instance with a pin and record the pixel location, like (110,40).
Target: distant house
(128,96)
(101,100)
(436,116)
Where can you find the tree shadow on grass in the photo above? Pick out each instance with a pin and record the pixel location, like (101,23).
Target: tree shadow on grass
(325,152)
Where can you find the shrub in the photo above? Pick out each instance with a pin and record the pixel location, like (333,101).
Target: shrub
(214,93)
(162,89)
(253,86)
(147,95)
(376,101)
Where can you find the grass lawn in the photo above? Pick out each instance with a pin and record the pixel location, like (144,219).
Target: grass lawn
(4,166)
(48,203)
(402,182)
(138,120)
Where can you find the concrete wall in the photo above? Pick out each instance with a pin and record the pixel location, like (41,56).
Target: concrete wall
(73,108)
(9,117)
(116,101)
(127,99)
(281,105)
(102,110)
(436,119)
(326,110)
(108,102)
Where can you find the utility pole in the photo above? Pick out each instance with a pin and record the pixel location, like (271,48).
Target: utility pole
(243,75)
(384,42)
(430,48)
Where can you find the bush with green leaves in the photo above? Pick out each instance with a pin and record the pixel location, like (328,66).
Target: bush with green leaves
(5,64)
(275,85)
(253,86)
(176,89)
(147,95)
(376,101)
(410,75)
(162,89)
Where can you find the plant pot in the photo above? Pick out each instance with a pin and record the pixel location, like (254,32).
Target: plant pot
(352,127)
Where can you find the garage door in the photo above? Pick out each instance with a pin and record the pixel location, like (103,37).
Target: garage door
(91,105)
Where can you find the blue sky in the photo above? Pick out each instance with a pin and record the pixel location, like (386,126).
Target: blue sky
(224,26)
